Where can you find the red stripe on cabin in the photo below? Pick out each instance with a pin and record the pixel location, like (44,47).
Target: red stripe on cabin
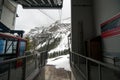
(9,36)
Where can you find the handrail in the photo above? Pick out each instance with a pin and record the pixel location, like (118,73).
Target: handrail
(98,62)
(37,63)
(79,70)
(14,59)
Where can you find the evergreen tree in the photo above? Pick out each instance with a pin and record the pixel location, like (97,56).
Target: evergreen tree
(28,43)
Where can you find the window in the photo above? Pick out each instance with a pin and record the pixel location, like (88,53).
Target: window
(2,46)
(22,48)
(14,46)
(11,46)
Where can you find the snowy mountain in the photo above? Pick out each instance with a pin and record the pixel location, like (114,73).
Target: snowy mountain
(60,62)
(56,34)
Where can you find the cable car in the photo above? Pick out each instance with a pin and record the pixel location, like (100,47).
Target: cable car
(11,47)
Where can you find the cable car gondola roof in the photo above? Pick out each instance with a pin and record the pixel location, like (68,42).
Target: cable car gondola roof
(31,4)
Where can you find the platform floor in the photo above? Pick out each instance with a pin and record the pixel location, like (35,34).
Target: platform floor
(51,73)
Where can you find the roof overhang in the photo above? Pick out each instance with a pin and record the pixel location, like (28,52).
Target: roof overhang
(46,4)
(5,29)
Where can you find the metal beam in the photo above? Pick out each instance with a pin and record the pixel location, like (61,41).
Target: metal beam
(35,4)
(28,1)
(43,1)
(49,2)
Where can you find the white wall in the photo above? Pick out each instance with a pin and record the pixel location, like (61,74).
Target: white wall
(104,10)
(8,14)
(1,5)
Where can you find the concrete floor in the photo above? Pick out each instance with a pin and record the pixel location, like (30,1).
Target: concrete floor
(51,73)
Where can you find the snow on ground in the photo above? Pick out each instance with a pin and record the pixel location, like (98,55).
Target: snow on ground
(60,62)
(63,44)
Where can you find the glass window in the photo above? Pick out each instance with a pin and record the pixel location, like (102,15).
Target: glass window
(11,47)
(22,48)
(2,46)
(14,46)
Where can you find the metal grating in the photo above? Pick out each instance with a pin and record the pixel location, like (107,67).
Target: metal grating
(40,3)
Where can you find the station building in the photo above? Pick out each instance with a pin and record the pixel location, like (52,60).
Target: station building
(8,13)
(95,34)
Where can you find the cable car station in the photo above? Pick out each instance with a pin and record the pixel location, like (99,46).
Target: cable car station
(94,41)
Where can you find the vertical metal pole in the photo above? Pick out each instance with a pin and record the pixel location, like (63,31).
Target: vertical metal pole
(73,58)
(69,49)
(35,58)
(114,61)
(9,71)
(24,69)
(6,47)
(78,61)
(47,48)
(70,56)
(99,71)
(87,70)
(41,59)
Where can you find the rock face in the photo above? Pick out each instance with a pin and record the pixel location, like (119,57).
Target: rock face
(56,31)
(51,73)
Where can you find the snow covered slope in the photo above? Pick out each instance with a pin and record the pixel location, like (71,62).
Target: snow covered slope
(63,43)
(60,62)
(64,29)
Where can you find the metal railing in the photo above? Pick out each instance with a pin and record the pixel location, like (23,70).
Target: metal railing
(114,60)
(20,68)
(91,69)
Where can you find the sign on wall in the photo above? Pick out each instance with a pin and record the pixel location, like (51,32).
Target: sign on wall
(111,27)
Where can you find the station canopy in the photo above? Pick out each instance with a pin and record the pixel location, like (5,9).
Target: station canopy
(34,4)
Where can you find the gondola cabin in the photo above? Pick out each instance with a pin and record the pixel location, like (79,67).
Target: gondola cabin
(11,47)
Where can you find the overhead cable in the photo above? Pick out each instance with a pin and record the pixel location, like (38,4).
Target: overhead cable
(46,15)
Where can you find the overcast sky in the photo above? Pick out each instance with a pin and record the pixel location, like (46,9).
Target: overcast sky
(30,18)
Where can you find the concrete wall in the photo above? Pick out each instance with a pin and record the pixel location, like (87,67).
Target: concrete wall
(105,10)
(87,15)
(8,14)
(82,24)
(1,5)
